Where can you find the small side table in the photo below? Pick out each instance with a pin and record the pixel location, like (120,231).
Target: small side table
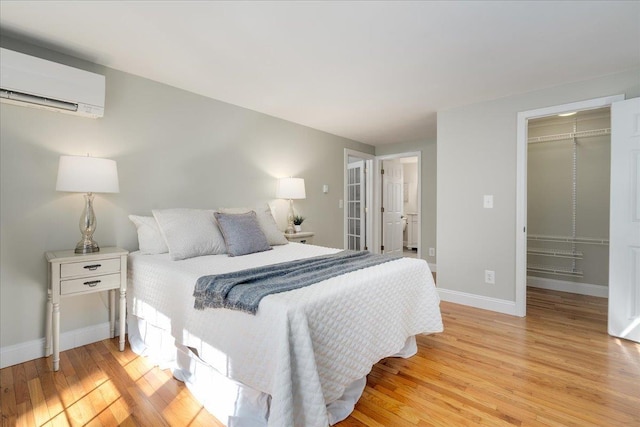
(70,274)
(300,237)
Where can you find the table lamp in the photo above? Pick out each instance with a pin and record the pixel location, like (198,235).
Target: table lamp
(290,188)
(79,174)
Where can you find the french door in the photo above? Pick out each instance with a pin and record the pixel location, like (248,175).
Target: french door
(356,202)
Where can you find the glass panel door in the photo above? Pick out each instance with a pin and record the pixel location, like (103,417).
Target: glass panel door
(356,219)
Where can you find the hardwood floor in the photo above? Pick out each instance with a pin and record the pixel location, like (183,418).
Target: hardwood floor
(556,367)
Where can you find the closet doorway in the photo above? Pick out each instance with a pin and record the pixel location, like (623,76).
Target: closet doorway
(559,254)
(568,183)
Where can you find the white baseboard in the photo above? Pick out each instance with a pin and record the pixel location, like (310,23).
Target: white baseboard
(18,353)
(567,286)
(432,267)
(478,301)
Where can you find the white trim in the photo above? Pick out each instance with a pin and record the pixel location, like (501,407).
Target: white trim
(432,267)
(521,185)
(478,301)
(376,196)
(19,353)
(567,286)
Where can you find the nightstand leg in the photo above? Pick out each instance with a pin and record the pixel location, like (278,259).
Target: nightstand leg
(47,345)
(56,336)
(112,313)
(123,316)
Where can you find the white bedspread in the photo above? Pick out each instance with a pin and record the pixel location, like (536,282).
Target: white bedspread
(303,347)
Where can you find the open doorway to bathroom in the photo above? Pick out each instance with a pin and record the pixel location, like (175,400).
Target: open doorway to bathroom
(399,196)
(371,222)
(411,208)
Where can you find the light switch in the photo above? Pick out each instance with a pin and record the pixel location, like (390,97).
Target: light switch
(325,189)
(488,201)
(340,204)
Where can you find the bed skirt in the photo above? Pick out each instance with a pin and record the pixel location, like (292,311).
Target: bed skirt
(234,404)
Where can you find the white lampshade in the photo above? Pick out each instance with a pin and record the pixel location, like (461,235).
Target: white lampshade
(290,188)
(83,174)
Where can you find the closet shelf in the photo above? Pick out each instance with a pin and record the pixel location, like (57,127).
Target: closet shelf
(569,135)
(568,239)
(558,253)
(552,269)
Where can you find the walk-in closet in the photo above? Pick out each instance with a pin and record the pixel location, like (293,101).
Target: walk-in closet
(568,176)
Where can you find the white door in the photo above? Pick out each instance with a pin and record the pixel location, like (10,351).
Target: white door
(356,196)
(624,238)
(392,207)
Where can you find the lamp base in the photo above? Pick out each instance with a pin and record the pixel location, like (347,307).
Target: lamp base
(87,247)
(87,226)
(290,229)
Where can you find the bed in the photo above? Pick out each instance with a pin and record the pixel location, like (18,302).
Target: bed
(302,359)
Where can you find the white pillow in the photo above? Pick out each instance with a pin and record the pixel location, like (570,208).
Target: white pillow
(150,240)
(267,223)
(189,232)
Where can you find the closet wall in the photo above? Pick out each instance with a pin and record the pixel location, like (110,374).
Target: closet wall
(568,197)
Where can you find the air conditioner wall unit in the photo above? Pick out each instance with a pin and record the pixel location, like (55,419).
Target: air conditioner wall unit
(34,82)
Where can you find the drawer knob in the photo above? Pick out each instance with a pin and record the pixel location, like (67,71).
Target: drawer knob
(92,267)
(92,283)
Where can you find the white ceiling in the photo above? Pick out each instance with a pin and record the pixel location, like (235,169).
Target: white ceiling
(375,72)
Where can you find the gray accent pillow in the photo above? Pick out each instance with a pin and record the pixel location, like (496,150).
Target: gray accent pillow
(242,233)
(267,223)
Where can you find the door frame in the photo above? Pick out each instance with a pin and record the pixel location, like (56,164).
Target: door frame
(377,199)
(368,161)
(521,185)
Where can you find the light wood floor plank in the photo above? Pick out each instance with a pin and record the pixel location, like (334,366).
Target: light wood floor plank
(555,367)
(38,403)
(8,406)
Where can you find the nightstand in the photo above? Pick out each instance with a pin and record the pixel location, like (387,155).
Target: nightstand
(70,274)
(300,237)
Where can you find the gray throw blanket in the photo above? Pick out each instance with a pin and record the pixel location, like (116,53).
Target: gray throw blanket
(243,290)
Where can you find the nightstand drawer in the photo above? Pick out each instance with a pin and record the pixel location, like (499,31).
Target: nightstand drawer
(90,284)
(103,266)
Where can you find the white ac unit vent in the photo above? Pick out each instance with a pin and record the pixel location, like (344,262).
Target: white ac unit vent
(34,82)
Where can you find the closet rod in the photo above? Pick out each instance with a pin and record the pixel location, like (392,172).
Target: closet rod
(559,271)
(569,135)
(568,239)
(558,253)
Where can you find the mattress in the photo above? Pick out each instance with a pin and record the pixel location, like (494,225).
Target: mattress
(303,348)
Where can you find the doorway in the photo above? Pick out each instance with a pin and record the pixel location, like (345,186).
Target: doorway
(543,249)
(363,204)
(568,181)
(399,198)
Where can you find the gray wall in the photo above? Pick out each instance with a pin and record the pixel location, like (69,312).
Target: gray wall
(550,189)
(477,156)
(428,189)
(173,148)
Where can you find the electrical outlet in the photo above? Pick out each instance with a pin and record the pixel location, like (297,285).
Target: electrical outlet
(432,251)
(340,204)
(490,277)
